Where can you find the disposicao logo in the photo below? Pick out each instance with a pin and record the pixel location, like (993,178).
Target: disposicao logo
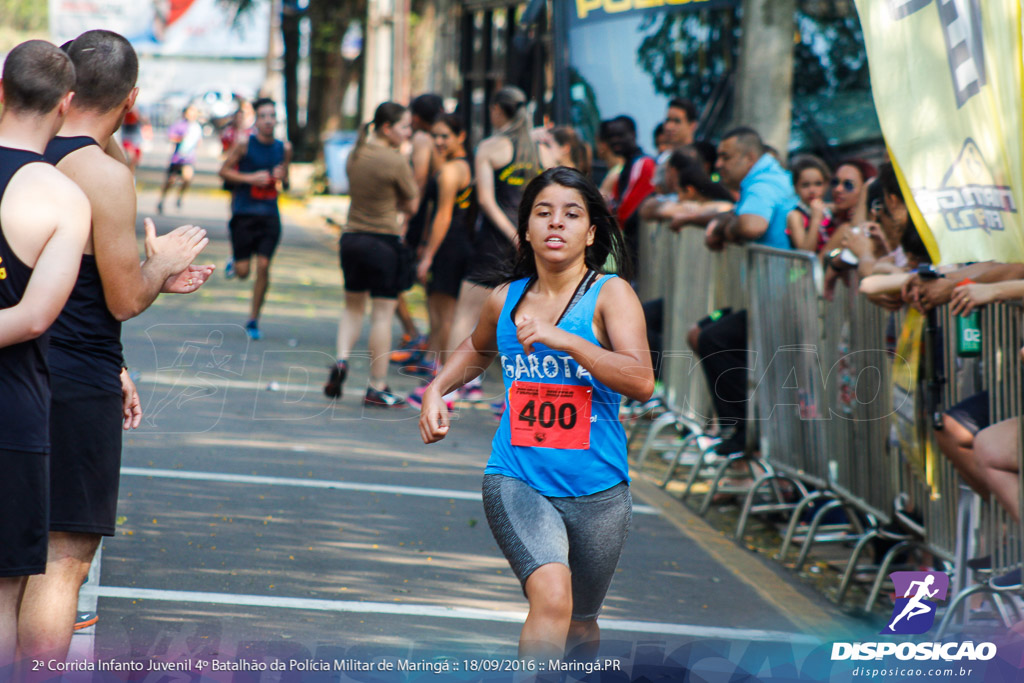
(914,614)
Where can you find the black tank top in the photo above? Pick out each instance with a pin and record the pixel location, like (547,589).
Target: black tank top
(24,378)
(509,182)
(465,210)
(85,340)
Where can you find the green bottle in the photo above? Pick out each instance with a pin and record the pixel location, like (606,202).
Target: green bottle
(968,332)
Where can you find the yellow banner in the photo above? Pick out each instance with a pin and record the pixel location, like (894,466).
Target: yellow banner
(908,403)
(947,80)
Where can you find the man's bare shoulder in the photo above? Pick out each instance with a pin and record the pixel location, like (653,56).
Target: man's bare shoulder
(101,176)
(42,185)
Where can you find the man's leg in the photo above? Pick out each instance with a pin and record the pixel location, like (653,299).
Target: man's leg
(50,605)
(259,290)
(186,181)
(11,589)
(996,449)
(722,346)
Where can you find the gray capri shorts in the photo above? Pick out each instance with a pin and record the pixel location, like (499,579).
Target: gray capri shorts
(585,534)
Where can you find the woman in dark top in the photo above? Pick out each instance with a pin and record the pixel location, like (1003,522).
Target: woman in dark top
(504,163)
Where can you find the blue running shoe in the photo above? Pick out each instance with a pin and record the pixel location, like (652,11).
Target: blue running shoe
(253,330)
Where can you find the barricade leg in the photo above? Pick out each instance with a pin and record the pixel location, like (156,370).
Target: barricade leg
(794,521)
(657,427)
(812,530)
(883,572)
(696,469)
(720,473)
(780,506)
(851,566)
(691,438)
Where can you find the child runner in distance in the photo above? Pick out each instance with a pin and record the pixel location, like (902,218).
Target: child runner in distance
(556,488)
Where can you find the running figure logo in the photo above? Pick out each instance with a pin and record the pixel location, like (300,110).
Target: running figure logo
(914,612)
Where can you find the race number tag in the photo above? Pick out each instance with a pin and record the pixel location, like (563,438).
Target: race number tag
(550,415)
(264,192)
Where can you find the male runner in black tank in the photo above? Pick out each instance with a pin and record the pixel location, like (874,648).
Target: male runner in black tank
(92,398)
(44,222)
(255,167)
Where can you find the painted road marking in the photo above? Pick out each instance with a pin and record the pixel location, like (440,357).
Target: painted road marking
(324,484)
(435,611)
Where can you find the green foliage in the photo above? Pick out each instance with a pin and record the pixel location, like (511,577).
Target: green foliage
(30,16)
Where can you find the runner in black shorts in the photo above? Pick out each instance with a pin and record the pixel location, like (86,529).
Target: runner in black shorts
(256,167)
(372,258)
(92,397)
(45,226)
(446,256)
(571,340)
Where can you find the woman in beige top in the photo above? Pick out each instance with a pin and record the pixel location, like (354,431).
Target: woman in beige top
(383,195)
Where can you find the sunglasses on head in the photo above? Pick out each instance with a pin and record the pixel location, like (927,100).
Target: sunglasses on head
(847,184)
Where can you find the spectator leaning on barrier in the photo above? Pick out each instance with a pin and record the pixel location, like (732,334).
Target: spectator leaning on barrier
(635,181)
(679,128)
(697,200)
(766,198)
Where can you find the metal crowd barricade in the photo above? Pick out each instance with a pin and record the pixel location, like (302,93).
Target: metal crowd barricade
(1002,339)
(791,364)
(693,282)
(929,505)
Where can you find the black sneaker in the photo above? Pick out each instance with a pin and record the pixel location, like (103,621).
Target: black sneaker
(339,371)
(735,443)
(383,398)
(1011,579)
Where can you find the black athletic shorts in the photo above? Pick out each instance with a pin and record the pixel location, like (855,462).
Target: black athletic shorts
(176,169)
(450,265)
(370,263)
(972,412)
(24,508)
(85,452)
(254,234)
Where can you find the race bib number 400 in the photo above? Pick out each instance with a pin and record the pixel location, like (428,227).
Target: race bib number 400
(550,415)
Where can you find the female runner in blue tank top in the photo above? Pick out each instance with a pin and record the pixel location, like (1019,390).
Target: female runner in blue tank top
(570,340)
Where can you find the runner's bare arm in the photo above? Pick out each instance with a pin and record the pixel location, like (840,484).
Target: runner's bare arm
(229,169)
(65,213)
(128,286)
(447,188)
(466,362)
(625,367)
(422,152)
(484,166)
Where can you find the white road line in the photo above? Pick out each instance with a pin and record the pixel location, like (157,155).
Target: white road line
(323,484)
(436,611)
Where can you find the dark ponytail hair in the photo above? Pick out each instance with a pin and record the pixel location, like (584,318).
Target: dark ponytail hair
(387,113)
(608,239)
(690,172)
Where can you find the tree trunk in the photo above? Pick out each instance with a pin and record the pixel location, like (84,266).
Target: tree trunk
(764,82)
(328,78)
(290,19)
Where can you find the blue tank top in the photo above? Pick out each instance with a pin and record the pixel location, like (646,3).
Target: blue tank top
(85,340)
(252,200)
(24,377)
(538,388)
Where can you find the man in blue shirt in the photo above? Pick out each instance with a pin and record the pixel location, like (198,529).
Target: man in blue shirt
(766,198)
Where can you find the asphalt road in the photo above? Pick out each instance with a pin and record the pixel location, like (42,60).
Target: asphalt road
(259,522)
